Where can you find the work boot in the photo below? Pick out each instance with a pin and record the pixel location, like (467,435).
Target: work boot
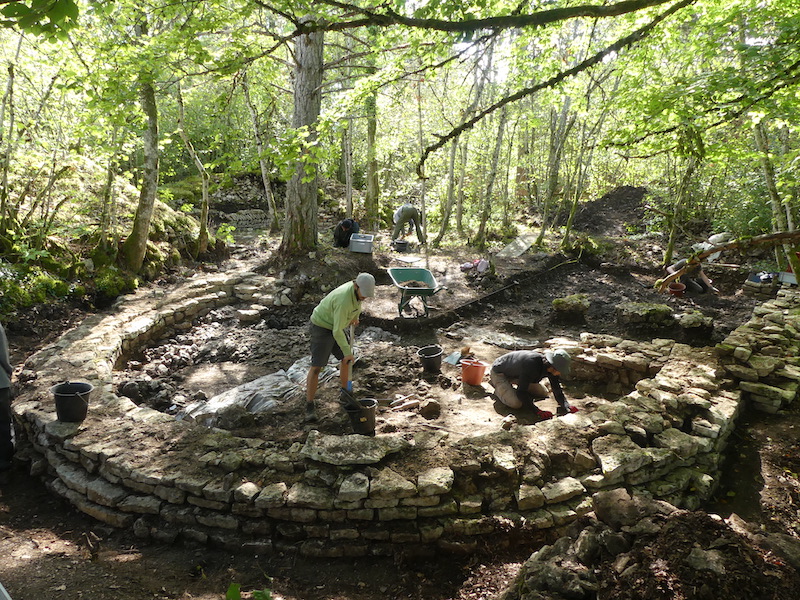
(311,413)
(566,409)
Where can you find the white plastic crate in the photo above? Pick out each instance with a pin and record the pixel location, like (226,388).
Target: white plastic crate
(361,242)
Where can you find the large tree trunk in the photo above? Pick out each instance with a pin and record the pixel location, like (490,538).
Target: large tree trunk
(135,247)
(300,229)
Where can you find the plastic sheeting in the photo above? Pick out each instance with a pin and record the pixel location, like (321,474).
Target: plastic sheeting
(270,393)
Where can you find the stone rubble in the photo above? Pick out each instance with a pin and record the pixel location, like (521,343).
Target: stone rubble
(334,496)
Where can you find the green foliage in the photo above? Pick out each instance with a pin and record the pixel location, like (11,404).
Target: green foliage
(586,244)
(49,19)
(225,233)
(185,192)
(235,593)
(110,282)
(22,287)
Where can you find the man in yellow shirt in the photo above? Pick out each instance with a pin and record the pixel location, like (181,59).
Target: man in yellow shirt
(337,311)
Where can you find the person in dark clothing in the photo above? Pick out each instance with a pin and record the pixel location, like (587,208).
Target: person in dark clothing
(407,216)
(516,376)
(6,418)
(693,277)
(343,231)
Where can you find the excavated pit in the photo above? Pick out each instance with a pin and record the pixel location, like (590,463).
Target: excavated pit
(655,416)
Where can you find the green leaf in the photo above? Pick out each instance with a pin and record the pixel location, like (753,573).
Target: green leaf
(234,592)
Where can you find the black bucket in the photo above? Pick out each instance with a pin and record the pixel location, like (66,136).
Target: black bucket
(400,245)
(72,400)
(431,358)
(363,419)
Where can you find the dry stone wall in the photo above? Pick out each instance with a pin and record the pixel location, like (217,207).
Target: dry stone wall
(762,354)
(662,434)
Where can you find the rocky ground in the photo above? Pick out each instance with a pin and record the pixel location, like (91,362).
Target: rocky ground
(51,551)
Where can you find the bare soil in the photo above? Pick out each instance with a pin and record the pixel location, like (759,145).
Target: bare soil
(51,551)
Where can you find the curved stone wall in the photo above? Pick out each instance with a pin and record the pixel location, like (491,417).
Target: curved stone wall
(353,495)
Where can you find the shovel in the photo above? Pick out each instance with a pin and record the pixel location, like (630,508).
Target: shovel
(346,398)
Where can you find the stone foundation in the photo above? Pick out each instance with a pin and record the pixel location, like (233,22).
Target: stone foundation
(133,467)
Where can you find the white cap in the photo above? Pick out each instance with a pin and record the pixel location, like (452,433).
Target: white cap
(366,284)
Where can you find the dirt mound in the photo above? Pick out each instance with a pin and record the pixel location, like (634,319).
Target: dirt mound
(617,213)
(672,564)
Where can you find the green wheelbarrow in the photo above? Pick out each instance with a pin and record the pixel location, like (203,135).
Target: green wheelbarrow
(414,283)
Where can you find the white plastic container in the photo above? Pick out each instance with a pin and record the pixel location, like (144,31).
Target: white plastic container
(361,242)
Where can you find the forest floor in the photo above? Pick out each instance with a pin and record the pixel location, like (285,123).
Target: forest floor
(51,551)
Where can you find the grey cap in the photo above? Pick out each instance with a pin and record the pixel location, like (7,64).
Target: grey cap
(560,359)
(366,284)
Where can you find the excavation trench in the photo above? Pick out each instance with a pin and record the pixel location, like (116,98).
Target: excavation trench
(452,478)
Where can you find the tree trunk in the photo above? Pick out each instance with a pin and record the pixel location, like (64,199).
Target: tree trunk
(272,218)
(462,179)
(135,246)
(682,197)
(779,237)
(451,184)
(480,81)
(559,129)
(779,221)
(300,229)
(480,238)
(347,158)
(202,238)
(371,209)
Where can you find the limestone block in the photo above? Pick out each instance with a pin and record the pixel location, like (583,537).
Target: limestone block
(470,505)
(618,455)
(107,494)
(469,527)
(306,496)
(438,480)
(217,520)
(73,477)
(562,490)
(351,449)
(764,365)
(246,492)
(562,514)
(420,501)
(388,484)
(397,513)
(529,497)
(503,459)
(353,488)
(682,444)
(768,391)
(446,508)
(272,496)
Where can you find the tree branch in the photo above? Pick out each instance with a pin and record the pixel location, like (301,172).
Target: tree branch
(513,21)
(580,67)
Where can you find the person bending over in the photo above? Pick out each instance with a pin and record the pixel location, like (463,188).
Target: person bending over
(516,376)
(343,231)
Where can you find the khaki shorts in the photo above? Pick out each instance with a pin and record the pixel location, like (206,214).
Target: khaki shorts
(505,390)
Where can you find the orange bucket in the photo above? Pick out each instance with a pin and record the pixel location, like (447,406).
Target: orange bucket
(472,371)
